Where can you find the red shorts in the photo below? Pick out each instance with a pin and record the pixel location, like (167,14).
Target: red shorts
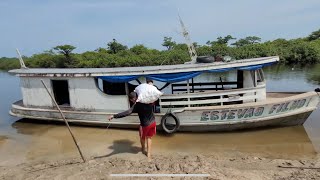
(148,131)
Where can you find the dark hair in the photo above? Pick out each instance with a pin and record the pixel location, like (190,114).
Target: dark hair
(132,95)
(149,80)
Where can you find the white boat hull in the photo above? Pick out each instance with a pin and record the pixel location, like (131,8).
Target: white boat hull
(288,111)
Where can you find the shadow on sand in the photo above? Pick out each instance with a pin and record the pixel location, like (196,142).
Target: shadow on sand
(122,146)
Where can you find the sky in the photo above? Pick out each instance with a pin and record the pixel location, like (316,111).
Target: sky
(34,26)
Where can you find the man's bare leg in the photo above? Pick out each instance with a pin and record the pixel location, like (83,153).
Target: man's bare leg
(143,145)
(149,143)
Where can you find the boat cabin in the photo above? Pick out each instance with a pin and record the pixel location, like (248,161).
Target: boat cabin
(185,85)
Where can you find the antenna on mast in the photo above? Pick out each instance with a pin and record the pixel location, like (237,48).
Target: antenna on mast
(21,60)
(191,48)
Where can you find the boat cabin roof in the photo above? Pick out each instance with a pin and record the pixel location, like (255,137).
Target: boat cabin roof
(245,64)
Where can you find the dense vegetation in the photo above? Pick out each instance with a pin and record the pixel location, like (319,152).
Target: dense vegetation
(299,51)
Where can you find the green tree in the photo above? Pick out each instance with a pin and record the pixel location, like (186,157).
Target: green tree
(300,50)
(204,50)
(247,41)
(181,47)
(101,50)
(314,35)
(253,39)
(66,50)
(168,43)
(219,50)
(221,40)
(114,47)
(9,63)
(139,49)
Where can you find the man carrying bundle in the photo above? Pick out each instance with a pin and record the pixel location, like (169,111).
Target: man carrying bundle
(145,111)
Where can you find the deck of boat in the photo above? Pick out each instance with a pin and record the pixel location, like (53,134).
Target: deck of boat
(275,95)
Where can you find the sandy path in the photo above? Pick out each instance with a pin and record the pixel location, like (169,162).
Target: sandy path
(219,166)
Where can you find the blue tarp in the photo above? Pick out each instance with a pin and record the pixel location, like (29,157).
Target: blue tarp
(220,70)
(176,77)
(250,67)
(119,79)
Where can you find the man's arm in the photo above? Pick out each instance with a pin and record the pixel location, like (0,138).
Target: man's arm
(123,114)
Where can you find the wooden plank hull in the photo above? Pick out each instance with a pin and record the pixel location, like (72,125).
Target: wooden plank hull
(288,111)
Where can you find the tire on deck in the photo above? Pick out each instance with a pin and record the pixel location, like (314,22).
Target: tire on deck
(205,59)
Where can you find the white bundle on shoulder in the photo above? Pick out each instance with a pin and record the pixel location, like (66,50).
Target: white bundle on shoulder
(147,93)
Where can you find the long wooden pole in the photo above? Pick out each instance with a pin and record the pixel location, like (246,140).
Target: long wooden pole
(62,115)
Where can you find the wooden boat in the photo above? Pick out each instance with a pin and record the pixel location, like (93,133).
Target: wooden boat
(195,96)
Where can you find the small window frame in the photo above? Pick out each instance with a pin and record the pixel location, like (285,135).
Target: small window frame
(260,76)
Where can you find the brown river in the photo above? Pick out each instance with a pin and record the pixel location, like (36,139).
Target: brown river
(27,141)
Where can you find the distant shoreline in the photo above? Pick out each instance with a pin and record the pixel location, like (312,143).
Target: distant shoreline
(305,50)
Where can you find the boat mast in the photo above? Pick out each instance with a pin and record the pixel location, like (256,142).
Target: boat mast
(191,48)
(23,66)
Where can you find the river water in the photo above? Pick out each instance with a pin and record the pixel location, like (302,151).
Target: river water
(23,141)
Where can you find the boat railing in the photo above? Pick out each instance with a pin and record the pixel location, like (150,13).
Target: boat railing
(198,87)
(210,98)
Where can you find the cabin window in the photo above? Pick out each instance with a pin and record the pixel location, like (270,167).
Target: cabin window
(207,82)
(113,88)
(61,92)
(260,76)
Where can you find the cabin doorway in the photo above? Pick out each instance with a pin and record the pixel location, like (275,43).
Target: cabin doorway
(61,92)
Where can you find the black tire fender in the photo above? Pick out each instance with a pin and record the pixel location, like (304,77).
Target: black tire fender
(163,123)
(205,59)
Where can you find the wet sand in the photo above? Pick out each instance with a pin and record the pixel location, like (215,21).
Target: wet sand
(2,140)
(46,151)
(48,141)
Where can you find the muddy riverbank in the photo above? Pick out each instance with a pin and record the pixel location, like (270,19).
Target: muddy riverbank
(46,151)
(217,166)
